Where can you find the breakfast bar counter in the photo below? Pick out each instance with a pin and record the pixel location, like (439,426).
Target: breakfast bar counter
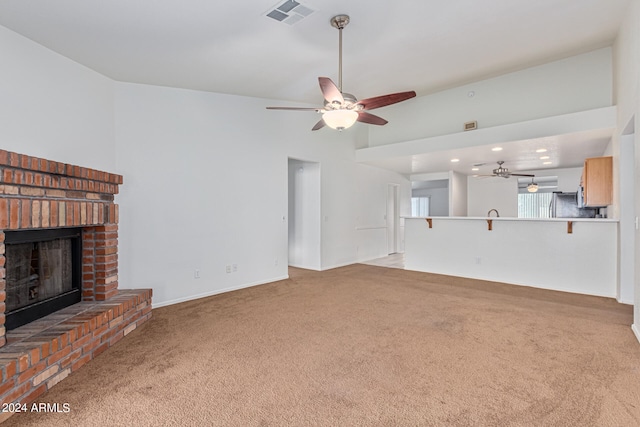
(565,254)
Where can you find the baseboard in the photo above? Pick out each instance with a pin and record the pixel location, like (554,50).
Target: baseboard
(636,331)
(304,267)
(332,266)
(218,291)
(498,280)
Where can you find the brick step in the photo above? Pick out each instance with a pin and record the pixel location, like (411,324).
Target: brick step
(40,354)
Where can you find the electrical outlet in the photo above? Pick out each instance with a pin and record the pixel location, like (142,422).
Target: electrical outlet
(235,267)
(228,269)
(276,262)
(196,274)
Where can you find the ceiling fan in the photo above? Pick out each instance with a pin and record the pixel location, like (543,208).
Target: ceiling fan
(504,172)
(341,110)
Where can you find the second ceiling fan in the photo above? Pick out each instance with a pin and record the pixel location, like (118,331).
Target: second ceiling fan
(504,172)
(341,110)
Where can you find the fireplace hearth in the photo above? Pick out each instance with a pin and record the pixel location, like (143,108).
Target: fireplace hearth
(60,305)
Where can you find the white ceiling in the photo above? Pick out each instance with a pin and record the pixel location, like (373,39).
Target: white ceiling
(232,47)
(562,151)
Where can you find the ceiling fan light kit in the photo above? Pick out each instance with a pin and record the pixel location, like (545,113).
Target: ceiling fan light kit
(532,187)
(340,119)
(341,110)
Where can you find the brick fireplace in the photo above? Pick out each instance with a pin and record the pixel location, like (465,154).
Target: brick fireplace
(40,194)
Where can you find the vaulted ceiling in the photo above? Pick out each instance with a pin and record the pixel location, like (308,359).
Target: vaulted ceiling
(234,47)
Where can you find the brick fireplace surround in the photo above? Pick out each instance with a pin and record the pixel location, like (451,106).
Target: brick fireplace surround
(42,194)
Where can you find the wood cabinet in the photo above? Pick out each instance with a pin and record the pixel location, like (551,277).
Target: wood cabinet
(597,181)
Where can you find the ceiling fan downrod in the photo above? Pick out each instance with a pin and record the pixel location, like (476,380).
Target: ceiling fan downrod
(339,22)
(341,110)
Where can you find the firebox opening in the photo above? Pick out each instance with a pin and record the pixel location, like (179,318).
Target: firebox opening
(43,273)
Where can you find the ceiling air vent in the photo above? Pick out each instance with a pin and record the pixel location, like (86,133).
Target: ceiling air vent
(289,12)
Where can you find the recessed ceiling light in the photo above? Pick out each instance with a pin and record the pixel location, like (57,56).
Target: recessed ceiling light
(547,163)
(496,149)
(455,160)
(544,157)
(475,169)
(541,150)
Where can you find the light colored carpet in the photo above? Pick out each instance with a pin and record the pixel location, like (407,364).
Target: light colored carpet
(365,345)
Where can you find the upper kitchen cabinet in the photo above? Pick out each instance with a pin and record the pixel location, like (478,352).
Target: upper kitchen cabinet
(597,182)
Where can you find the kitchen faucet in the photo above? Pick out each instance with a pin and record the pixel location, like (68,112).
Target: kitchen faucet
(493,210)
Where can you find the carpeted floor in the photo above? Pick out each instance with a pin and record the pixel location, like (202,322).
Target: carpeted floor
(365,345)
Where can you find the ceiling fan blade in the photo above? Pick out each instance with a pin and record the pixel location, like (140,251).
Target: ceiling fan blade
(318,125)
(522,174)
(370,119)
(330,91)
(294,108)
(384,100)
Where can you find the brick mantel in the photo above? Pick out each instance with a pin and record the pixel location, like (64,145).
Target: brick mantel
(39,193)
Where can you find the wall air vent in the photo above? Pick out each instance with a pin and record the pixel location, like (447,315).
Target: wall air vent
(289,12)
(471,125)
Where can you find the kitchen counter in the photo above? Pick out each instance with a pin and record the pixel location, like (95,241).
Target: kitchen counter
(565,254)
(453,218)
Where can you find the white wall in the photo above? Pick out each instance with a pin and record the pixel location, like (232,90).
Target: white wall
(627,98)
(627,220)
(568,179)
(371,210)
(53,108)
(489,193)
(217,189)
(196,173)
(579,83)
(200,193)
(458,190)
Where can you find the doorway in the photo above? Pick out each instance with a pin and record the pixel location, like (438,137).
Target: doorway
(393,220)
(304,227)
